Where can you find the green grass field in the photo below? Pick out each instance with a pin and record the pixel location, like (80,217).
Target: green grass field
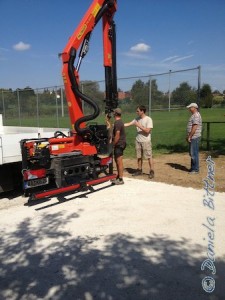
(169,131)
(168,134)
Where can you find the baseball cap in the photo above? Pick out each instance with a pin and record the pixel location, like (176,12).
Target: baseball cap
(192,105)
(117,111)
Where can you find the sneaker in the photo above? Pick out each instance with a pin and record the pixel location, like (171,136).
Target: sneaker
(151,174)
(137,172)
(193,172)
(114,180)
(119,181)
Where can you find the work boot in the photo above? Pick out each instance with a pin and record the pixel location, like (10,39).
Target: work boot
(137,172)
(151,174)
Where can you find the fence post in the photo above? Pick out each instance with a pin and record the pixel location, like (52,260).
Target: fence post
(169,87)
(38,122)
(199,85)
(150,96)
(208,135)
(3,104)
(56,102)
(62,106)
(18,101)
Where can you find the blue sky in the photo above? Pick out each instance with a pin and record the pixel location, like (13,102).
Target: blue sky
(153,36)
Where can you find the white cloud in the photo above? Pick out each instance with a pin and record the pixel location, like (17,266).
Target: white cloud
(170,58)
(21,46)
(141,48)
(176,58)
(182,58)
(136,55)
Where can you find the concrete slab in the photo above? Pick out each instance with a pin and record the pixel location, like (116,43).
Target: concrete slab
(140,240)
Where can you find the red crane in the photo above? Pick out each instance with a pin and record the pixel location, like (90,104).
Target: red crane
(83,158)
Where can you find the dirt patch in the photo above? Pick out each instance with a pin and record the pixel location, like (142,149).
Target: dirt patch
(173,169)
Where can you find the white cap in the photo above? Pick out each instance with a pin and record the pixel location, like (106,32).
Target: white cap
(192,105)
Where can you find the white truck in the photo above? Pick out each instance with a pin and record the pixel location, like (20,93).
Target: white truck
(10,151)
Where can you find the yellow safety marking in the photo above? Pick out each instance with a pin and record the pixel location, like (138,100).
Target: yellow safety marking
(96,9)
(64,78)
(81,33)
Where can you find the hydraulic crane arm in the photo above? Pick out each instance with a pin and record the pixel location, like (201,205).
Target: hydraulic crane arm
(79,41)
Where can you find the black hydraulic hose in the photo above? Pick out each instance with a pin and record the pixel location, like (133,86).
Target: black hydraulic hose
(84,132)
(104,8)
(114,68)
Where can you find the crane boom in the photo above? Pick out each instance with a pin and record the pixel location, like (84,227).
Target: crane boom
(99,9)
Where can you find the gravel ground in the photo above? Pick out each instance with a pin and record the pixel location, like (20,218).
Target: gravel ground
(140,240)
(174,169)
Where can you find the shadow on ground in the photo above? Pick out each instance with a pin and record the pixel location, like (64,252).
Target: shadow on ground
(178,166)
(130,170)
(47,262)
(17,192)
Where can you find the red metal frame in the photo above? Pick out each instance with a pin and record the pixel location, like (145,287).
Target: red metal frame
(74,187)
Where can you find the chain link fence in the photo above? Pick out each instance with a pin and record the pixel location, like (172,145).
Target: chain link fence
(44,107)
(165,96)
(33,107)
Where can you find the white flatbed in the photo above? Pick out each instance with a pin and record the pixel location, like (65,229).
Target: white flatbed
(10,151)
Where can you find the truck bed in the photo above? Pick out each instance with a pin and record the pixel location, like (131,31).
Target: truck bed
(10,152)
(11,136)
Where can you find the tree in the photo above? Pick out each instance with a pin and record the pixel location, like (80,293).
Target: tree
(9,102)
(157,97)
(139,92)
(216,92)
(47,98)
(184,94)
(206,96)
(27,100)
(92,90)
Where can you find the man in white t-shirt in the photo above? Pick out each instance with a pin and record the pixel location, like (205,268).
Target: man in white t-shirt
(143,145)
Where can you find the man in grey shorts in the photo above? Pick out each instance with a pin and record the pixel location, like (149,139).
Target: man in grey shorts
(143,145)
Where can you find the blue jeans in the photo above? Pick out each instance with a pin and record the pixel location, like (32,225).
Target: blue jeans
(194,153)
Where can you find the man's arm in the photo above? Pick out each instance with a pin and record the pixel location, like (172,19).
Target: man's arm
(146,130)
(129,123)
(116,137)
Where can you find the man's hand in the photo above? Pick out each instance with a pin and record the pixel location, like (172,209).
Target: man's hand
(146,130)
(193,129)
(188,139)
(136,124)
